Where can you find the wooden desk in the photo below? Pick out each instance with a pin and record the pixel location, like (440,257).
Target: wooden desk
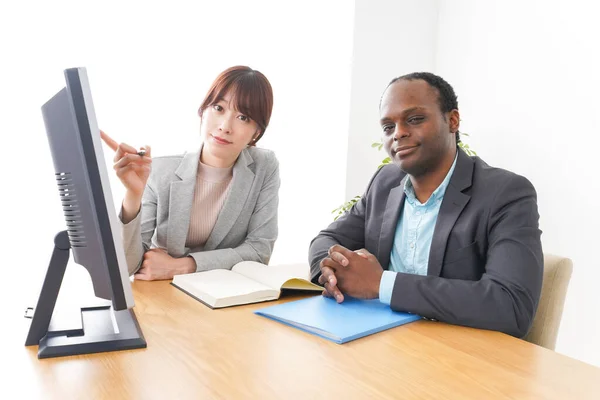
(195,352)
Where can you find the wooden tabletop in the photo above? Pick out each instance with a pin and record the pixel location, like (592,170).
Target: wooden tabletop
(197,353)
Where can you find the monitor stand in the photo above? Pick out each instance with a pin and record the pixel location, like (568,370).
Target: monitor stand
(100,329)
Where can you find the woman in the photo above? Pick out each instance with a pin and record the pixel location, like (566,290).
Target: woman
(208,209)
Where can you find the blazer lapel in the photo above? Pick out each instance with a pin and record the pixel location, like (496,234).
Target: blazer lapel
(452,205)
(181,195)
(393,207)
(243,178)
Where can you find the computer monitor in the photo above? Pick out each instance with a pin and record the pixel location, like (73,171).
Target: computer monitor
(92,233)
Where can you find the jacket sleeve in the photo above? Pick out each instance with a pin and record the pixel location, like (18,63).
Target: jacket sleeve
(137,233)
(348,231)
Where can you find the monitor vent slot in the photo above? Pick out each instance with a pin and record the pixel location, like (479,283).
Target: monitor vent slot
(70,205)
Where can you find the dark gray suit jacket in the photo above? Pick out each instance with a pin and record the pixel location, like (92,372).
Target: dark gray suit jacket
(485,263)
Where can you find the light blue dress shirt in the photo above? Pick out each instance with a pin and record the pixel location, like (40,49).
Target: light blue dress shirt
(414,232)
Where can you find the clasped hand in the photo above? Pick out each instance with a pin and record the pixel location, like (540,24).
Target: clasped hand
(354,273)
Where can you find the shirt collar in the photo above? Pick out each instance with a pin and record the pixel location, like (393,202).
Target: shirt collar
(438,193)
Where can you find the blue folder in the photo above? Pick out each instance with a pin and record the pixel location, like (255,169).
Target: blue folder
(340,323)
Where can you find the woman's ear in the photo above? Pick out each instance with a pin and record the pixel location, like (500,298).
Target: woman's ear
(254,139)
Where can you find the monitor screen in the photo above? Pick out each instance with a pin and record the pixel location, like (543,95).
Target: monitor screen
(84,188)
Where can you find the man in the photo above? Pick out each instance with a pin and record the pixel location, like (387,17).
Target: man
(437,233)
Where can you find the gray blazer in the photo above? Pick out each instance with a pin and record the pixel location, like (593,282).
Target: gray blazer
(485,263)
(245,230)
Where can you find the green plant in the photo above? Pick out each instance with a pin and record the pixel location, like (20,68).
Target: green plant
(344,208)
(465,146)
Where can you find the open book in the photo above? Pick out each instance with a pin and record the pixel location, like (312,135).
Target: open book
(247,282)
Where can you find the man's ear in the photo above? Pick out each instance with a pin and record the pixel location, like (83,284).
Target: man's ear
(454,120)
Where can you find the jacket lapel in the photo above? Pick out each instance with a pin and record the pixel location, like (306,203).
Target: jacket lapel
(181,195)
(243,178)
(452,205)
(393,207)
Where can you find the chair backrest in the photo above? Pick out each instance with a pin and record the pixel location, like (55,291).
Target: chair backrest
(557,274)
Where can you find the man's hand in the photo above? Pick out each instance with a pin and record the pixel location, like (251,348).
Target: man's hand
(158,264)
(327,279)
(356,273)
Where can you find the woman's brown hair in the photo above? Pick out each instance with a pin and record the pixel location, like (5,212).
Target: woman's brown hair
(251,94)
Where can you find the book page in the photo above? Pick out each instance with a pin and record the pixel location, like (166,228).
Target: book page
(221,284)
(297,276)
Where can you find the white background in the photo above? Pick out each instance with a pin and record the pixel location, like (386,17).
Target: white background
(525,73)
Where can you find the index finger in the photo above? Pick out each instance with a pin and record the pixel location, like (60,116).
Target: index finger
(327,275)
(109,141)
(364,253)
(329,282)
(341,250)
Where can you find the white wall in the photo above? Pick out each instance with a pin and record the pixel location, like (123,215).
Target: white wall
(149,67)
(391,38)
(526,76)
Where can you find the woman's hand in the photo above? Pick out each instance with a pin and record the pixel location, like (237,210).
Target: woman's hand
(132,169)
(158,264)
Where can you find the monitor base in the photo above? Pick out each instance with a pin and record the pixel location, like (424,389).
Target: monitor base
(96,329)
(103,330)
